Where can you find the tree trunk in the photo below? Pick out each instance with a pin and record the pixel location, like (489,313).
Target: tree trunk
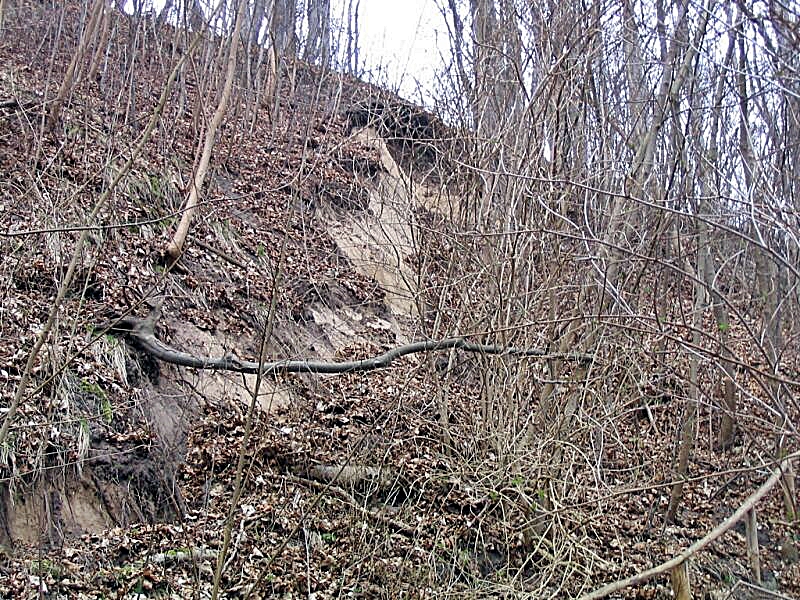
(175,247)
(318,42)
(257,21)
(164,12)
(71,77)
(486,109)
(352,36)
(457,47)
(711,187)
(284,35)
(102,43)
(692,402)
(751,534)
(196,18)
(768,275)
(679,577)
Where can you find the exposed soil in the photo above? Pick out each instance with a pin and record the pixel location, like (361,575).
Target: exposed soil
(387,484)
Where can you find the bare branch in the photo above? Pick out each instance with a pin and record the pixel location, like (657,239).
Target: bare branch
(140,331)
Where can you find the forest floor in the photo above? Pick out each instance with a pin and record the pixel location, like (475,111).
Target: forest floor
(120,474)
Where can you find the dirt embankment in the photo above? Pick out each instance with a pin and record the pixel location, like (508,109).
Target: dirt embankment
(128,470)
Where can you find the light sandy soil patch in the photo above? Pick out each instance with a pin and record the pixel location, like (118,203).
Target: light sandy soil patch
(222,387)
(379,241)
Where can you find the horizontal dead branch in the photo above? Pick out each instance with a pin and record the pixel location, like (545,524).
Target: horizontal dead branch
(380,477)
(141,332)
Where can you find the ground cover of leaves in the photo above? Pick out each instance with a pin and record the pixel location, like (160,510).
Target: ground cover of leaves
(441,505)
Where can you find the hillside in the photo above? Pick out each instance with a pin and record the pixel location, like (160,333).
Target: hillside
(334,225)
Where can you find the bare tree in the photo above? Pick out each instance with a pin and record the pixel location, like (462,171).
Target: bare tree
(637,167)
(318,40)
(284,30)
(352,46)
(73,70)
(770,267)
(175,247)
(256,21)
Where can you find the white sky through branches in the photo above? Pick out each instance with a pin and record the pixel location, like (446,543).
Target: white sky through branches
(400,42)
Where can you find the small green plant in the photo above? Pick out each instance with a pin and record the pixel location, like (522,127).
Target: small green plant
(156,189)
(92,388)
(463,556)
(139,587)
(791,515)
(45,568)
(106,410)
(728,578)
(328,538)
(724,327)
(6,450)
(83,433)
